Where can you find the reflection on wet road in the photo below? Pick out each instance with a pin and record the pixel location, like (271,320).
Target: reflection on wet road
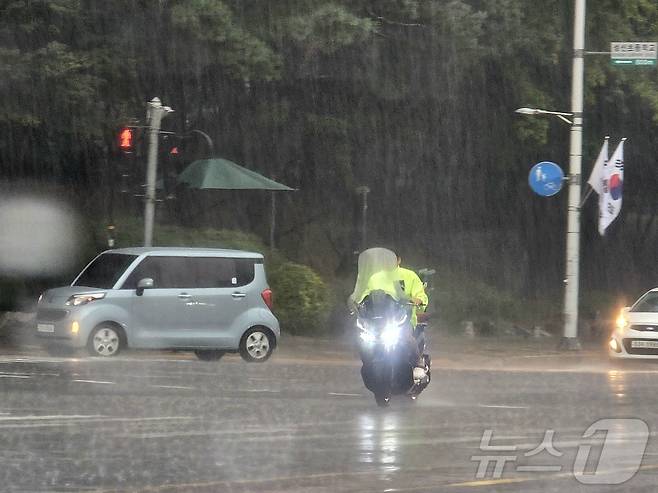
(177,424)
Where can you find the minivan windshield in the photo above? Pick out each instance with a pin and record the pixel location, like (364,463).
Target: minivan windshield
(647,304)
(104,271)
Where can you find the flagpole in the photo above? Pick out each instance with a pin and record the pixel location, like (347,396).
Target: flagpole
(589,192)
(572,278)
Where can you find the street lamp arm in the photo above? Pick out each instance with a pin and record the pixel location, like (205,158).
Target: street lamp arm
(208,140)
(536,111)
(566,120)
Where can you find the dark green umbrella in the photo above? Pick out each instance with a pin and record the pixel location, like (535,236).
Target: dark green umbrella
(223,174)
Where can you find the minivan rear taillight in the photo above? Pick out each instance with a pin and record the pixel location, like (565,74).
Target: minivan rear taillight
(267,298)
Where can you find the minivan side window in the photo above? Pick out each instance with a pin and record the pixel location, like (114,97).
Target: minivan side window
(166,272)
(221,272)
(192,272)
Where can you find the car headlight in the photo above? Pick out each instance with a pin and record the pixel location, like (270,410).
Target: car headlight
(83,299)
(391,335)
(621,322)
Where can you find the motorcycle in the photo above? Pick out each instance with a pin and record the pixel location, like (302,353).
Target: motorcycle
(385,347)
(388,346)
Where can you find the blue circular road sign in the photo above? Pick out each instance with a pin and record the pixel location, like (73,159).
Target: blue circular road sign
(546,178)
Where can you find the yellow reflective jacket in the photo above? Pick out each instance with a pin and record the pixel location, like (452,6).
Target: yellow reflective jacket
(413,288)
(382,281)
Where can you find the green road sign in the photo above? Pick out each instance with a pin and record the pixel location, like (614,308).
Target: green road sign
(636,62)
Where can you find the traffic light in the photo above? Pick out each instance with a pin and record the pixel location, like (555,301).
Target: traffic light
(127,140)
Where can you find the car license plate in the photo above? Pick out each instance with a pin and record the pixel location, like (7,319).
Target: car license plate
(645,344)
(45,328)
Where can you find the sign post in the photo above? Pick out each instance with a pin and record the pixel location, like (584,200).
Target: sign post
(546,178)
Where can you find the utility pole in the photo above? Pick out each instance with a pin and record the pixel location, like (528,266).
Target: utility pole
(154,114)
(570,336)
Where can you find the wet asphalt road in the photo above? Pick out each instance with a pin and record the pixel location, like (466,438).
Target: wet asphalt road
(167,422)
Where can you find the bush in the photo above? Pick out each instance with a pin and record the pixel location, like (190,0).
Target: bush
(301,298)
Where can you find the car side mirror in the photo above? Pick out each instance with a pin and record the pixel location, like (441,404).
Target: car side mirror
(626,309)
(146,283)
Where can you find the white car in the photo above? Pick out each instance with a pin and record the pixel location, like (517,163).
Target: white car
(636,335)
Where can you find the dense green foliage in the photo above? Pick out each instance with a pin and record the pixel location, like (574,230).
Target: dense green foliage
(301,298)
(413,98)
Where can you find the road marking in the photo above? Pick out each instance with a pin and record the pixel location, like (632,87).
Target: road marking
(65,421)
(15,376)
(35,359)
(94,381)
(345,394)
(31,373)
(263,390)
(551,477)
(189,486)
(173,387)
(228,483)
(494,406)
(51,417)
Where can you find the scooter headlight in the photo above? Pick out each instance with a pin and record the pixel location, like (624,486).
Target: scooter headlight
(391,335)
(367,337)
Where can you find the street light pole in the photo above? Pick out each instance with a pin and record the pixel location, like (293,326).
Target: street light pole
(155,113)
(572,278)
(570,312)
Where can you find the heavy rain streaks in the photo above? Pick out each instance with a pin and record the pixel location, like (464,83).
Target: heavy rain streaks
(295,135)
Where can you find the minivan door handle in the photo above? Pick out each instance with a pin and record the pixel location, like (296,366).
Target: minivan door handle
(239,295)
(184,296)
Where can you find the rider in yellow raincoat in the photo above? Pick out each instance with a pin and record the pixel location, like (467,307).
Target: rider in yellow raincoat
(413,288)
(379,271)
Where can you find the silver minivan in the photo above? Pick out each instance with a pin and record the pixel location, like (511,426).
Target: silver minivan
(209,301)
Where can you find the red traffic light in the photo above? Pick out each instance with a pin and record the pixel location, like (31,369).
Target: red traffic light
(126,143)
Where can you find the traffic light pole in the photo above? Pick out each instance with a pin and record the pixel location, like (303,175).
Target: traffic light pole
(155,113)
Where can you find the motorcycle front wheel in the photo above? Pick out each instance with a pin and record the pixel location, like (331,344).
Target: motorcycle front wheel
(382,400)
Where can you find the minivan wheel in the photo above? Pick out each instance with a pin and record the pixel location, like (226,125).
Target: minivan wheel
(105,340)
(256,345)
(209,354)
